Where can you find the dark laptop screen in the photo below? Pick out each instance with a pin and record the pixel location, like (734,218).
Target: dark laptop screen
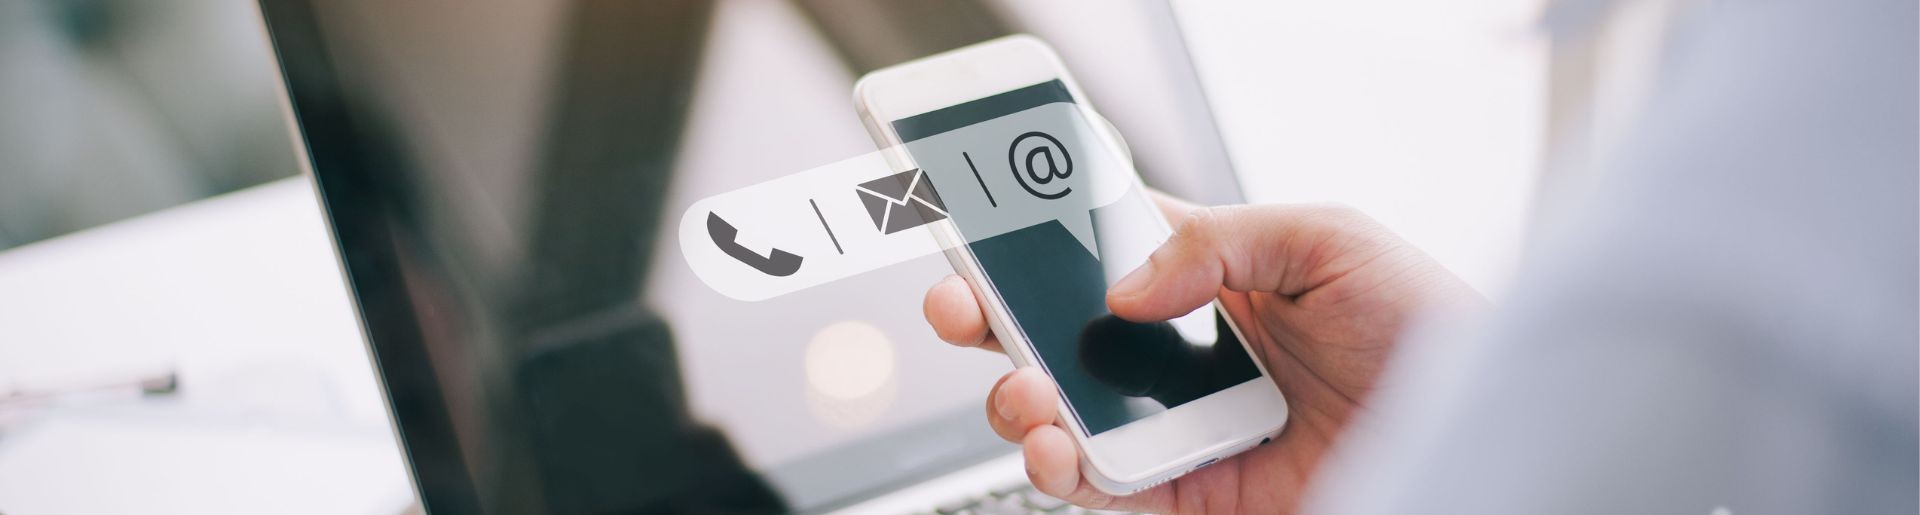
(498,176)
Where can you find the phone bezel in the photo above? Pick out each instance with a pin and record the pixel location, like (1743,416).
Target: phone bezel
(1138,454)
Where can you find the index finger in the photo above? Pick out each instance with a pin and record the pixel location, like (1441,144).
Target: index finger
(953,310)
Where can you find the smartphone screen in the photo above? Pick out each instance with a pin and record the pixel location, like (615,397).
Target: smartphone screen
(1110,371)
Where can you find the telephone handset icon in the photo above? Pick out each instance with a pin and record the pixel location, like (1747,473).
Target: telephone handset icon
(778,263)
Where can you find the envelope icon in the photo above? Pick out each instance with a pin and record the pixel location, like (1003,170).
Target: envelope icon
(901,201)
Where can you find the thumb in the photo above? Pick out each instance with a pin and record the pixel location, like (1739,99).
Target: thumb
(1283,249)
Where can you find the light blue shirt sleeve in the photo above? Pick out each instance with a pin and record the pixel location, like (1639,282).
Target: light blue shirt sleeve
(1725,325)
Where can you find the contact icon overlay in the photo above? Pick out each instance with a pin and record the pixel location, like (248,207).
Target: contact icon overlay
(1038,170)
(864,213)
(902,201)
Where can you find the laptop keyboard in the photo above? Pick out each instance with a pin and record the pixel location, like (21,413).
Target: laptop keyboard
(1013,499)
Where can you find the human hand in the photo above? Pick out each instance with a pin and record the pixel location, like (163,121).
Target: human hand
(1319,292)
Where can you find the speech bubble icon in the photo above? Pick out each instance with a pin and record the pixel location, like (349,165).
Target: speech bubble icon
(1042,164)
(1043,167)
(1081,227)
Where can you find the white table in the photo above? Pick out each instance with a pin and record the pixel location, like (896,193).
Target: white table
(277,410)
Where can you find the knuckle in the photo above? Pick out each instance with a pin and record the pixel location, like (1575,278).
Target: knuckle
(1341,208)
(1342,213)
(1199,227)
(1337,218)
(1351,221)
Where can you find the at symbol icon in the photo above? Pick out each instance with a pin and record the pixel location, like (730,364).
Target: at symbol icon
(1039,164)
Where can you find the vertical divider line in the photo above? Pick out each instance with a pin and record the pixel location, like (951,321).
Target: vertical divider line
(829,228)
(977,178)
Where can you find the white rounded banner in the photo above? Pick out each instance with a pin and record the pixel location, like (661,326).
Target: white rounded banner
(860,214)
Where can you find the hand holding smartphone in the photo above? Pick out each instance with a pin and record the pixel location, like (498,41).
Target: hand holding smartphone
(1143,402)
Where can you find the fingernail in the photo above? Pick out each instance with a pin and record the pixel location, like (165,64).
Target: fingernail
(1004,407)
(1134,281)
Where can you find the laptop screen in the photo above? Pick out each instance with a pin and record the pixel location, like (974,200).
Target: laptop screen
(498,176)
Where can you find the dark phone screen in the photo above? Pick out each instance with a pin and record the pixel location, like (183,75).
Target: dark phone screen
(1111,371)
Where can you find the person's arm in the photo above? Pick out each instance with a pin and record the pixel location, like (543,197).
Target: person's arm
(1727,323)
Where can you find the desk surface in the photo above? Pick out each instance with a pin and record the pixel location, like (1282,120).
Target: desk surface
(240,295)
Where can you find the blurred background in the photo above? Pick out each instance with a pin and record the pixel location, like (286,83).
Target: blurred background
(119,108)
(154,232)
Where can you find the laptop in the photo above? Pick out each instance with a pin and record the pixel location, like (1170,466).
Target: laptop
(501,180)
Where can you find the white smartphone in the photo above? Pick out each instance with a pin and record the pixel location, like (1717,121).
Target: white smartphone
(1146,403)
